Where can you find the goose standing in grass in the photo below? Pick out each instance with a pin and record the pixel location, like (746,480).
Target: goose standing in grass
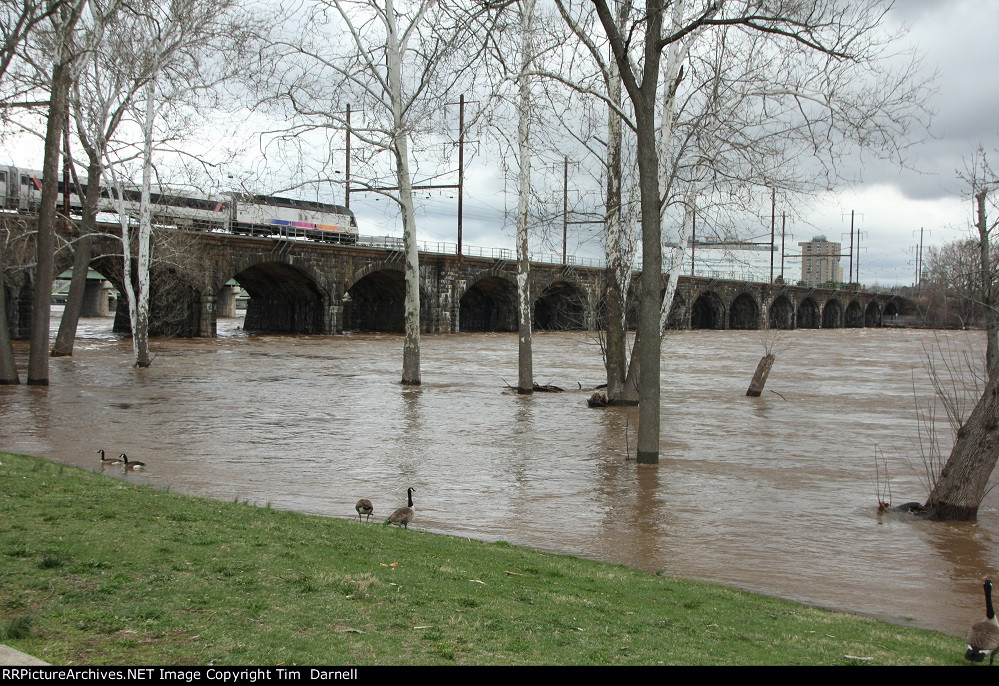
(107,461)
(983,636)
(364,507)
(404,515)
(134,464)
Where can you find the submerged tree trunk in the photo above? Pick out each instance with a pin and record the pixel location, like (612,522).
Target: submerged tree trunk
(8,370)
(63,345)
(617,271)
(525,363)
(140,318)
(81,266)
(964,480)
(400,148)
(629,394)
(41,307)
(760,377)
(649,418)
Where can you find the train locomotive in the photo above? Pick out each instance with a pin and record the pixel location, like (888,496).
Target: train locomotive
(245,214)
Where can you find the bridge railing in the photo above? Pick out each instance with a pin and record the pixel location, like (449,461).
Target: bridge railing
(446,248)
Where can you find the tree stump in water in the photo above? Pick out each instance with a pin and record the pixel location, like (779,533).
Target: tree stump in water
(964,480)
(760,378)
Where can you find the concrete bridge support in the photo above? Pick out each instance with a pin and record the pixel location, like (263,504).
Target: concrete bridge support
(226,306)
(97,296)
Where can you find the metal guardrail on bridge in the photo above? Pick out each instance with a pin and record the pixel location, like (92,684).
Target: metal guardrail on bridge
(445,248)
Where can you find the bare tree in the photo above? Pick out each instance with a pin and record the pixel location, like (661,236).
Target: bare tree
(950,287)
(64,23)
(183,50)
(963,481)
(394,64)
(819,48)
(18,20)
(984,185)
(105,87)
(8,369)
(525,376)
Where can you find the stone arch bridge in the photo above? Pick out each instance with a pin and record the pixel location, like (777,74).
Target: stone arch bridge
(315,288)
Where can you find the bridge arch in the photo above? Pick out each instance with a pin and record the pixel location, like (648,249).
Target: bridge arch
(808,314)
(561,306)
(707,312)
(744,312)
(832,314)
(781,313)
(488,303)
(679,313)
(284,297)
(376,300)
(854,317)
(872,315)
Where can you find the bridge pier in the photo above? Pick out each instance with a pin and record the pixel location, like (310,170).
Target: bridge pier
(207,321)
(335,315)
(96,299)
(226,305)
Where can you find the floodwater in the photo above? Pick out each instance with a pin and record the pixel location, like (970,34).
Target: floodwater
(775,494)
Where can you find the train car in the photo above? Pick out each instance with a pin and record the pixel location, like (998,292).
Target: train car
(265,214)
(20,189)
(254,215)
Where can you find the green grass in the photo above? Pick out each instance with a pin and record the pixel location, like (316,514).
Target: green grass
(99,571)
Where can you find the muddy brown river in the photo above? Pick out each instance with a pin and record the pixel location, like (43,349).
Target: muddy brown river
(775,494)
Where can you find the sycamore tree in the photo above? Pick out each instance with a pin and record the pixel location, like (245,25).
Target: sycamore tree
(964,480)
(38,63)
(395,65)
(175,57)
(724,98)
(109,76)
(984,183)
(19,19)
(56,57)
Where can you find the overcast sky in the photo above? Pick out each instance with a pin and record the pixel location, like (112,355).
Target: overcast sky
(891,205)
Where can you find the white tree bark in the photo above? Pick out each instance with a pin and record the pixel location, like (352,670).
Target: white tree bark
(394,50)
(525,366)
(140,315)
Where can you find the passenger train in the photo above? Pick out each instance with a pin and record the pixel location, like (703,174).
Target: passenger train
(245,214)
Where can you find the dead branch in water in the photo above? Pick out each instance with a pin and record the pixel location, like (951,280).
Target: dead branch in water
(539,388)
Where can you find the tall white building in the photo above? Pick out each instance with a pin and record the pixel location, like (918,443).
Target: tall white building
(820,261)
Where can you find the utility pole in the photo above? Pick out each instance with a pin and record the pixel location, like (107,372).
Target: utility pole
(461,164)
(565,208)
(919,262)
(346,191)
(783,229)
(420,187)
(773,221)
(850,275)
(857,280)
(693,241)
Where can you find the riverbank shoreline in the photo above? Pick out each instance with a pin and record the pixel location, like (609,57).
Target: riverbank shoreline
(107,572)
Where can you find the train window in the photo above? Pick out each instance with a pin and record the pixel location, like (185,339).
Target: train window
(3,177)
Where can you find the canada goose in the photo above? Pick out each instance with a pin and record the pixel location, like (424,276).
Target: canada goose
(134,464)
(106,461)
(364,507)
(404,515)
(983,636)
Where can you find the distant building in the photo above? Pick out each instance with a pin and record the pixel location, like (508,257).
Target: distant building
(820,261)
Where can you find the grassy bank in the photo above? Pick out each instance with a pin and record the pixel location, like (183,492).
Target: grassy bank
(98,571)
